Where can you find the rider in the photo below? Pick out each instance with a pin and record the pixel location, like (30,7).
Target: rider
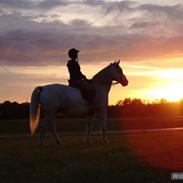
(77,79)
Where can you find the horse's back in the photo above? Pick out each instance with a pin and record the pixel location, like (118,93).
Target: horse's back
(59,94)
(54,89)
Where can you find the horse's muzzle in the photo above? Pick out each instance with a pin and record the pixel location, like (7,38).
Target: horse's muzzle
(124,81)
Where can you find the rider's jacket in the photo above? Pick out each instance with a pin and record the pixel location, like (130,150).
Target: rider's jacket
(74,70)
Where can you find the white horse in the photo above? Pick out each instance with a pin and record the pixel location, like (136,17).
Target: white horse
(69,101)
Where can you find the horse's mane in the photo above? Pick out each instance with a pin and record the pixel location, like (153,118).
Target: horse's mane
(102,74)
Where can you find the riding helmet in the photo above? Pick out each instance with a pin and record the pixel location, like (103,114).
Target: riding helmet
(73,52)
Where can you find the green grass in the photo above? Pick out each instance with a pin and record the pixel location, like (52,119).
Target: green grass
(78,125)
(62,125)
(23,161)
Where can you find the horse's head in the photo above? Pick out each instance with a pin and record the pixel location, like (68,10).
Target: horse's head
(118,74)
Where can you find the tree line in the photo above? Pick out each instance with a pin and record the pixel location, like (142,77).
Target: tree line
(124,108)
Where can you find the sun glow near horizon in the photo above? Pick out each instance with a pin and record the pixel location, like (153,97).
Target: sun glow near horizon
(36,36)
(151,83)
(146,82)
(172,89)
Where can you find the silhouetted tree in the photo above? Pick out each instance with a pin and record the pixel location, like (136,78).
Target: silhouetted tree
(124,108)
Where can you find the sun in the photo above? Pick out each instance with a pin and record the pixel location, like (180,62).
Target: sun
(171,87)
(172,92)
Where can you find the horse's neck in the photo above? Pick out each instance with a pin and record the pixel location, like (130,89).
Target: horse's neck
(103,79)
(105,75)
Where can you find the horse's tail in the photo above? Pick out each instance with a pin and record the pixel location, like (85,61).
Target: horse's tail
(35,109)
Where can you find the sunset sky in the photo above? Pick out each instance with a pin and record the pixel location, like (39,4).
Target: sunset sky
(147,35)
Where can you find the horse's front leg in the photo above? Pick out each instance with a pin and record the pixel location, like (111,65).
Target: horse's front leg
(102,115)
(88,129)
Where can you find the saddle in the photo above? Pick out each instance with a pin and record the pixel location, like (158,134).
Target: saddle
(87,89)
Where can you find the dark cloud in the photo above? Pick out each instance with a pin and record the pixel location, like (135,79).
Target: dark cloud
(159,21)
(141,24)
(120,6)
(108,5)
(170,12)
(23,4)
(26,41)
(94,2)
(23,48)
(47,4)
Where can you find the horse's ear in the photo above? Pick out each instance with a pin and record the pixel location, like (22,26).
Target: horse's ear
(118,62)
(114,62)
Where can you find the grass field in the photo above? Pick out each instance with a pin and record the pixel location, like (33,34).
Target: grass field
(20,126)
(144,157)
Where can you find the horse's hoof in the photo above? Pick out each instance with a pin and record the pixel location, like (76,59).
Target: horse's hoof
(105,141)
(60,143)
(88,141)
(41,144)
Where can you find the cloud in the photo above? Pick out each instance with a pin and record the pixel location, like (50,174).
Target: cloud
(50,4)
(121,6)
(47,4)
(20,4)
(102,30)
(174,12)
(32,4)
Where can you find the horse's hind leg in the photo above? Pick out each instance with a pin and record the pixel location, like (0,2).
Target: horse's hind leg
(41,137)
(47,125)
(44,127)
(88,129)
(55,134)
